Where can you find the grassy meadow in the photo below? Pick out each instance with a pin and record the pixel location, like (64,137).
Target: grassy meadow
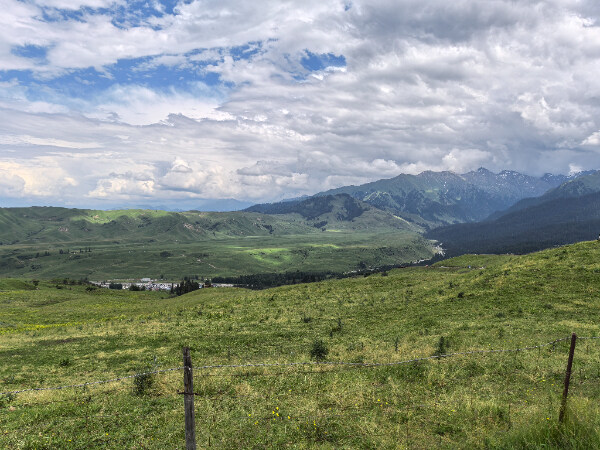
(54,334)
(227,256)
(58,242)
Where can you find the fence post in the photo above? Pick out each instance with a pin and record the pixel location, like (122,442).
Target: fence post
(188,400)
(563,405)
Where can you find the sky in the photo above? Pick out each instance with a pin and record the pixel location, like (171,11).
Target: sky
(183,104)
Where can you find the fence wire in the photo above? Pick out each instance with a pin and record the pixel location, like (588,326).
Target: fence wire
(300,364)
(90,383)
(375,364)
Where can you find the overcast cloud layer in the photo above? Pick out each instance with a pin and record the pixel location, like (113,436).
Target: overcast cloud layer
(112,103)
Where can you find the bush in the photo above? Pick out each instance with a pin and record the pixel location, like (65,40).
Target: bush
(6,399)
(65,362)
(442,346)
(142,383)
(319,350)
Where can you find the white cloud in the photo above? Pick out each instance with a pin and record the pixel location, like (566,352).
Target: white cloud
(40,177)
(47,142)
(427,85)
(122,187)
(592,139)
(463,160)
(138,105)
(74,5)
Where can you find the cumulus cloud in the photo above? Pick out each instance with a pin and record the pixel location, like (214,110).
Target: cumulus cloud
(40,177)
(269,99)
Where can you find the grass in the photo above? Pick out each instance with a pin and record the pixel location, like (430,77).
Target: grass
(52,337)
(224,256)
(43,242)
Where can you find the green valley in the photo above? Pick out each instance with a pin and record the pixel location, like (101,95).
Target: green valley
(340,234)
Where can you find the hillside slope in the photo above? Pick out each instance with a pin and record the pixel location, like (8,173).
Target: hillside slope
(336,234)
(253,354)
(61,225)
(556,221)
(577,186)
(339,211)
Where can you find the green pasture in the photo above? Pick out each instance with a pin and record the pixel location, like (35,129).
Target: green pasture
(56,334)
(225,256)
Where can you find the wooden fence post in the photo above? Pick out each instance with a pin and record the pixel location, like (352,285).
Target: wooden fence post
(188,400)
(563,405)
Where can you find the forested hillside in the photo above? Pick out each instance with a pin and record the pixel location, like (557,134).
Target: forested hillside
(555,222)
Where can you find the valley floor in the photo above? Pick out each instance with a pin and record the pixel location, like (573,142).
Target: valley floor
(228,256)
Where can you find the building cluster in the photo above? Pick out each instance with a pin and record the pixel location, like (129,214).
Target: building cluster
(152,285)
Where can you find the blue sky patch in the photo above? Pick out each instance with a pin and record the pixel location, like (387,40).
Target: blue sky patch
(30,51)
(314,62)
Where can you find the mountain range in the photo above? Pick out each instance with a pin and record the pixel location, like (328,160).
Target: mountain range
(480,211)
(433,199)
(563,215)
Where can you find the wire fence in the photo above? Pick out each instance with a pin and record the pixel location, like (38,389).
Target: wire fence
(208,370)
(91,383)
(299,364)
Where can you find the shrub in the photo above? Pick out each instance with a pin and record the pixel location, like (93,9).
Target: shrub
(319,350)
(6,399)
(65,362)
(142,383)
(442,346)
